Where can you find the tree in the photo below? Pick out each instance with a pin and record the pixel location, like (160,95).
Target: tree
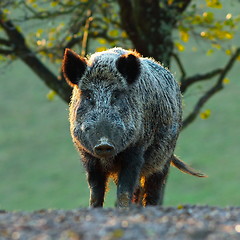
(35,30)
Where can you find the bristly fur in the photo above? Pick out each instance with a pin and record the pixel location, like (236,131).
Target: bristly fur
(125,118)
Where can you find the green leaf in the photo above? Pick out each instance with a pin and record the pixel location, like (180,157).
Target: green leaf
(228,51)
(226,80)
(6,11)
(208,17)
(216,45)
(206,114)
(39,32)
(102,40)
(51,94)
(209,52)
(113,33)
(68,38)
(100,49)
(184,36)
(54,3)
(179,47)
(124,34)
(214,3)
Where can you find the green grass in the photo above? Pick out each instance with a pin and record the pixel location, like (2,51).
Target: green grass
(39,167)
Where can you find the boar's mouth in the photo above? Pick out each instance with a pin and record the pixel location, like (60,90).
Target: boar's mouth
(104,149)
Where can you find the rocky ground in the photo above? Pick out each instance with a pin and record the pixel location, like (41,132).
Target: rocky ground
(181,223)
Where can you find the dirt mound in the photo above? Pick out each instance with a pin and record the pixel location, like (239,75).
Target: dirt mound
(181,223)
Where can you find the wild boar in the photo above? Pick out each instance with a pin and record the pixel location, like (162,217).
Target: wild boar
(125,118)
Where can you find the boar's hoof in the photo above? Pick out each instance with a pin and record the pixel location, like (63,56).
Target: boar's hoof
(104,150)
(124,200)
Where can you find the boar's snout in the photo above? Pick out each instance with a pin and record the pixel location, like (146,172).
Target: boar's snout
(101,138)
(104,149)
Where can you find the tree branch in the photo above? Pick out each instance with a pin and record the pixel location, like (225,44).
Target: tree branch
(29,58)
(5,42)
(187,82)
(127,13)
(48,14)
(217,87)
(181,5)
(6,52)
(86,33)
(76,24)
(180,65)
(73,41)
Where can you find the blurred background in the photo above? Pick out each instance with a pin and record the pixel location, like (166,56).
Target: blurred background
(39,167)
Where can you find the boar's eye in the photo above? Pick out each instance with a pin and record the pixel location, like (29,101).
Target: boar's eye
(87,96)
(116,96)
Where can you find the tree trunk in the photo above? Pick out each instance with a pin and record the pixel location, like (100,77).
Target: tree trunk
(149,25)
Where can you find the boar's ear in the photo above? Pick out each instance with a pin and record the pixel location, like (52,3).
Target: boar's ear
(129,66)
(73,67)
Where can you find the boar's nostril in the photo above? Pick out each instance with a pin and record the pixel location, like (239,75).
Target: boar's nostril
(104,150)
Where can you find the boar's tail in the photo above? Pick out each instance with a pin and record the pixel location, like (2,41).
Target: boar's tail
(176,162)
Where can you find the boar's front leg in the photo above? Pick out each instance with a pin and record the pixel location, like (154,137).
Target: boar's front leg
(97,179)
(131,163)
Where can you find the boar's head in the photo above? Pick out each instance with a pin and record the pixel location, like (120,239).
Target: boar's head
(104,111)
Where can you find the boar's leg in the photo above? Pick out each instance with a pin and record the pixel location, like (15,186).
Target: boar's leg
(97,179)
(97,184)
(138,195)
(154,187)
(131,163)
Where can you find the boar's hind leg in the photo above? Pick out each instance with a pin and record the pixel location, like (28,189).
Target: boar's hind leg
(137,195)
(131,163)
(154,187)
(97,179)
